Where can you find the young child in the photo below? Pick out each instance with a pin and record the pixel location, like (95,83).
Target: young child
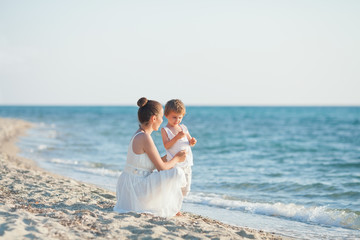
(176,137)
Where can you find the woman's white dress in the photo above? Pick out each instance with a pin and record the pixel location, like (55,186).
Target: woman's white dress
(141,189)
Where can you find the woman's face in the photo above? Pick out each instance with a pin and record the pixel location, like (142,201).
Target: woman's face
(159,120)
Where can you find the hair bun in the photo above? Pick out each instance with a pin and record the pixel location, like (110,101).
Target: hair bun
(142,102)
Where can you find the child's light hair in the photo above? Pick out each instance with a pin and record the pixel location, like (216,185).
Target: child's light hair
(175,105)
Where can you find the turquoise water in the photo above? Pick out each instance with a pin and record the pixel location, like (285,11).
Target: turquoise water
(295,170)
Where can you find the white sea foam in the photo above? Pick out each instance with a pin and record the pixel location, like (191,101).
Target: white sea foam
(42,124)
(317,214)
(52,134)
(99,171)
(85,167)
(64,161)
(42,147)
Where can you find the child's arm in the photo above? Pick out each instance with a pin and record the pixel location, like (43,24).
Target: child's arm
(167,142)
(191,140)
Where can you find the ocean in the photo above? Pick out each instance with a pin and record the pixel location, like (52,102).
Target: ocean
(289,170)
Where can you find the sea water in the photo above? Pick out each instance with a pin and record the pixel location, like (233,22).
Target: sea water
(290,170)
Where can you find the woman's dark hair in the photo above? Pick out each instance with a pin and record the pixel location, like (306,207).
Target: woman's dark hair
(147,108)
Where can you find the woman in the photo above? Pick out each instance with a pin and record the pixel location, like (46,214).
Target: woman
(139,188)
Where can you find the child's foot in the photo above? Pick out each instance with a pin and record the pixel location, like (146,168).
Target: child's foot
(178,214)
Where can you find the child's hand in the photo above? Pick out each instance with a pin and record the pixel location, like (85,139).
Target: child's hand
(192,141)
(180,135)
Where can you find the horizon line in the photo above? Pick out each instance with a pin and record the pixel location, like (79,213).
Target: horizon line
(188,105)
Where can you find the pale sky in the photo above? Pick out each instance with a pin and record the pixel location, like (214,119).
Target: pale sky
(240,52)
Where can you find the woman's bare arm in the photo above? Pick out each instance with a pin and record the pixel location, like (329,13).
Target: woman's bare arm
(151,150)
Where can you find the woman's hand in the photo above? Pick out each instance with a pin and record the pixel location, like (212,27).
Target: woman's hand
(181,156)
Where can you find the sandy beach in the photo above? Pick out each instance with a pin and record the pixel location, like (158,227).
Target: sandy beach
(35,204)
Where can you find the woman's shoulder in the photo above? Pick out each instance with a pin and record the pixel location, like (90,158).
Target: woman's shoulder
(141,135)
(140,141)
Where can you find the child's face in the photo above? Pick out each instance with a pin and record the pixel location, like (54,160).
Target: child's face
(174,118)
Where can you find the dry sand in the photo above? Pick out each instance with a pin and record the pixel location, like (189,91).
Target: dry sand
(35,204)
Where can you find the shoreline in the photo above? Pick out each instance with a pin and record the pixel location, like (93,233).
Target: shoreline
(37,204)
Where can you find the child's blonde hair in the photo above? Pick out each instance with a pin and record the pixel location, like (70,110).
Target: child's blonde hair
(175,105)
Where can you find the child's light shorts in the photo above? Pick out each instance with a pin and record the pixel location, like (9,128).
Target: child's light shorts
(188,175)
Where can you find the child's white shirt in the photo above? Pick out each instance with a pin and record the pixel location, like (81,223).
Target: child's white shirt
(179,145)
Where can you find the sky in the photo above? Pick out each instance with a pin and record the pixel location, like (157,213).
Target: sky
(205,52)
